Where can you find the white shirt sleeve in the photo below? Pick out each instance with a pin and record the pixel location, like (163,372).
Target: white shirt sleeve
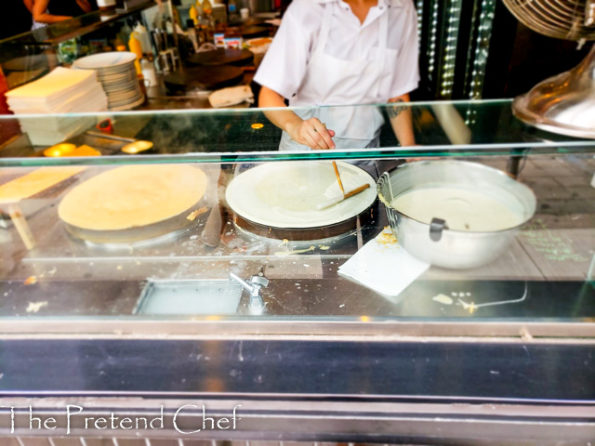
(405,75)
(284,64)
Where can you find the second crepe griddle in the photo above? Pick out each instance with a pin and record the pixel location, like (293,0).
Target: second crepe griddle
(108,219)
(279,200)
(221,56)
(171,225)
(307,234)
(204,78)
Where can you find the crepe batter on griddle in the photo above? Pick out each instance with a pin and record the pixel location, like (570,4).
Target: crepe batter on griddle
(133,196)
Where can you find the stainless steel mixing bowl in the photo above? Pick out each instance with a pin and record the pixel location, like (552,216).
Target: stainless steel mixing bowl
(435,243)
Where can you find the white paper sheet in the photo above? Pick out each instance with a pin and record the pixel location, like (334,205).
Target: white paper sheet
(383,265)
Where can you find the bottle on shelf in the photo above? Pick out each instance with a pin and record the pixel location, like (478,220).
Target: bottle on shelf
(149,74)
(145,41)
(207,7)
(232,11)
(193,14)
(135,47)
(193,35)
(208,22)
(199,9)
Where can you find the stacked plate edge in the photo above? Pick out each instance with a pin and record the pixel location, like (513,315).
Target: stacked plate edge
(117,74)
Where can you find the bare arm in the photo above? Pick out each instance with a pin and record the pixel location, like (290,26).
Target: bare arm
(84,5)
(310,132)
(40,15)
(400,120)
(29,5)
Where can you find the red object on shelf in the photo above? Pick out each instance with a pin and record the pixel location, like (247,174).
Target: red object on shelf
(105,126)
(9,128)
(4,110)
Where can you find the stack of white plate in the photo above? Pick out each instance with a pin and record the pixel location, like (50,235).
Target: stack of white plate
(117,74)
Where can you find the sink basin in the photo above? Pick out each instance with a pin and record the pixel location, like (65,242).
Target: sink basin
(189,297)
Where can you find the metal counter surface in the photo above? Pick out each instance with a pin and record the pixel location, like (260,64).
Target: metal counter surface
(421,392)
(489,371)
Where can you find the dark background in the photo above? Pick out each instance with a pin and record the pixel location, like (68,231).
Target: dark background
(518,57)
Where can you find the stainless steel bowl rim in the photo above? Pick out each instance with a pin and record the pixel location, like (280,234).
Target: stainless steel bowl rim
(470,163)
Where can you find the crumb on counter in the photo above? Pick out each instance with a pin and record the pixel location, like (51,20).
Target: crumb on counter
(296,251)
(387,237)
(192,215)
(443,299)
(34,307)
(470,307)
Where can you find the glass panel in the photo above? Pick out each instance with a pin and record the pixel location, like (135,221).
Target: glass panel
(28,56)
(67,29)
(161,242)
(465,128)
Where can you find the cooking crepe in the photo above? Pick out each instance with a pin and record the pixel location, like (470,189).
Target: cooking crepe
(286,194)
(133,196)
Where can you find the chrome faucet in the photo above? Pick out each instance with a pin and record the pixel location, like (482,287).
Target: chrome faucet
(254,287)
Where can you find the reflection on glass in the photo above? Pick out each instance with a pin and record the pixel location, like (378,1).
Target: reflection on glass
(246,134)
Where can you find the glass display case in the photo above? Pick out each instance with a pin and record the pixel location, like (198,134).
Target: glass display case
(213,267)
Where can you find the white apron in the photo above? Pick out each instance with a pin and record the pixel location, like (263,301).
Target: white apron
(330,80)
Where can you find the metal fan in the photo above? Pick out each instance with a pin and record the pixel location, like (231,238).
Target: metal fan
(564,103)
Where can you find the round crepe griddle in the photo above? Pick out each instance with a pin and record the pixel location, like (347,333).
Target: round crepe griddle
(279,200)
(133,203)
(249,32)
(174,225)
(204,78)
(309,234)
(221,56)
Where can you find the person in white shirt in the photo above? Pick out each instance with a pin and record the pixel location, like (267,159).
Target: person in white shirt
(341,52)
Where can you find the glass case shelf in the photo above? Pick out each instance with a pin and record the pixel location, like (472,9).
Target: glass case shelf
(464,128)
(58,32)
